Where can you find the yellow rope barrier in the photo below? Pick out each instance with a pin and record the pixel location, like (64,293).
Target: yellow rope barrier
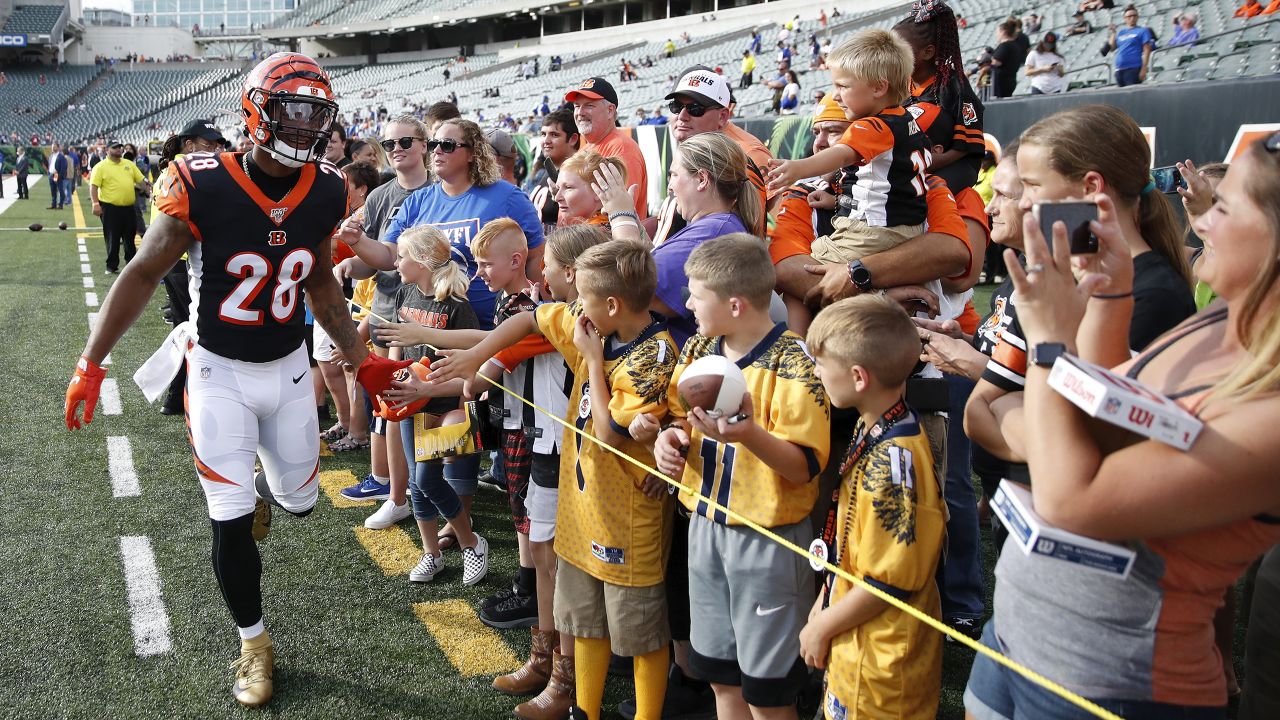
(1028,673)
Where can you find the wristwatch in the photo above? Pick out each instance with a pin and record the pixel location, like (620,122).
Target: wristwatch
(844,202)
(1045,354)
(860,276)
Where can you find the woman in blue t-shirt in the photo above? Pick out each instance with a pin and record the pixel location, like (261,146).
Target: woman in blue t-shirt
(468,195)
(1133,46)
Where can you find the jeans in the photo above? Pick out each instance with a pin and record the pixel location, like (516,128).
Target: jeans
(431,495)
(960,578)
(463,475)
(1127,76)
(1261,697)
(995,692)
(64,186)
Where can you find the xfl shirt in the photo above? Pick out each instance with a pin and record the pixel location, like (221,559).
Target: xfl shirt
(252,252)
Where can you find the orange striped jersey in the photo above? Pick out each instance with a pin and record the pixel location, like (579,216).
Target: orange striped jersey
(890,187)
(891,521)
(1000,337)
(790,404)
(951,117)
(605,525)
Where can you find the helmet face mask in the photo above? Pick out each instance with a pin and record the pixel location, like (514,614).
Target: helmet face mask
(288,108)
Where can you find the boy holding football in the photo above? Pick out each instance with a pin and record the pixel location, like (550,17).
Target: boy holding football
(750,595)
(612,523)
(887,526)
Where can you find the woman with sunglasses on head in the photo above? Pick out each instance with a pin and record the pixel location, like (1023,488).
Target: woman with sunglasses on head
(469,193)
(406,136)
(1143,646)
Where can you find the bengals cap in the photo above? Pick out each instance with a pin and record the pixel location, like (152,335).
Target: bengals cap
(595,88)
(704,85)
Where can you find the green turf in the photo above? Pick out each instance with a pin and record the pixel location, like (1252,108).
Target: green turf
(348,644)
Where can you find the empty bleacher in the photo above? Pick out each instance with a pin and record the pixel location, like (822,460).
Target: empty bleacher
(33,19)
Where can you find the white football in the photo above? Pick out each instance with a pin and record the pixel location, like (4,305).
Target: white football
(713,383)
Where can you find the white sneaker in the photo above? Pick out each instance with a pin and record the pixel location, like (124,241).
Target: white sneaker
(427,568)
(475,562)
(389,514)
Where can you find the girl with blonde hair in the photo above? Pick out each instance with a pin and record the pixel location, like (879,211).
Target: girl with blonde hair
(434,294)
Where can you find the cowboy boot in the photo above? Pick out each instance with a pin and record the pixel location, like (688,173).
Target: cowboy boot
(533,676)
(557,698)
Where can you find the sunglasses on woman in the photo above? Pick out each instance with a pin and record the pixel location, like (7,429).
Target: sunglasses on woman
(448,145)
(695,110)
(405,143)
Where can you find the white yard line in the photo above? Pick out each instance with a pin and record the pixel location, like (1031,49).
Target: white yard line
(88,282)
(84,268)
(110,397)
(124,479)
(146,601)
(91,299)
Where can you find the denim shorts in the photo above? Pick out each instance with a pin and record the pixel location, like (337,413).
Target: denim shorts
(995,692)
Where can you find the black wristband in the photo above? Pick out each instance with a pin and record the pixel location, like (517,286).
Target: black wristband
(1117,296)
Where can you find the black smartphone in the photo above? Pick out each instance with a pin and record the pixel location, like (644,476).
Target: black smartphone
(1076,215)
(1167,179)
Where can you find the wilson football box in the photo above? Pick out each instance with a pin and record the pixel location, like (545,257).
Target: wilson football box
(1123,402)
(1037,538)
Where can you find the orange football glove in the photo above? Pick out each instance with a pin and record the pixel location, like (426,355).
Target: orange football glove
(375,373)
(85,386)
(403,412)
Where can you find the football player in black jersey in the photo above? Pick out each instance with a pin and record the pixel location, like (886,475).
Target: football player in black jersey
(257,227)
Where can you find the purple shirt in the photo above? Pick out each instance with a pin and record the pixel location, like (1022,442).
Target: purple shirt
(670,258)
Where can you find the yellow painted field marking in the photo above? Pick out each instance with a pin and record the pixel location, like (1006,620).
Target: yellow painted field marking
(332,482)
(473,648)
(393,549)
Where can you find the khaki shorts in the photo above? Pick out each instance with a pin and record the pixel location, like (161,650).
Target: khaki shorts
(633,618)
(854,239)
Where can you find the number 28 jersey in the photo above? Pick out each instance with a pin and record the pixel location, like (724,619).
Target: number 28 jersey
(252,253)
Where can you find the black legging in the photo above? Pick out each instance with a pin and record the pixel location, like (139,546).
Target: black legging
(118,227)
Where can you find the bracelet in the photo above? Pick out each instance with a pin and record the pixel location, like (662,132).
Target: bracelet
(1117,296)
(624,213)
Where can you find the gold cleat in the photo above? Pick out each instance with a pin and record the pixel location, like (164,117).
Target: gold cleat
(261,519)
(253,671)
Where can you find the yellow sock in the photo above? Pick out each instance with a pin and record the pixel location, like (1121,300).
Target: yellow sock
(591,663)
(650,671)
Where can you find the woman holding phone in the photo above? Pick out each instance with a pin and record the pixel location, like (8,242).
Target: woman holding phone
(1143,646)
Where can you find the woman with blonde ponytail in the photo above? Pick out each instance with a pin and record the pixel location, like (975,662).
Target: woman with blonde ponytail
(1197,518)
(1099,149)
(708,179)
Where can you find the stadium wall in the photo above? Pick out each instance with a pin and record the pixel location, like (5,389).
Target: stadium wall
(118,42)
(1195,120)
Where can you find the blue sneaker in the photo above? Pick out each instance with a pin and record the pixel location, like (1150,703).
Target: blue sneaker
(368,489)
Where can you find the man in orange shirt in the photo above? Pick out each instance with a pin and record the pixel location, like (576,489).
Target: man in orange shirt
(595,110)
(1251,8)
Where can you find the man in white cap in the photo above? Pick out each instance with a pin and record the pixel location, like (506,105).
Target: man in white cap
(700,104)
(595,110)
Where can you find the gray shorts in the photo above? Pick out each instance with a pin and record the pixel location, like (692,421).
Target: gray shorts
(541,505)
(751,598)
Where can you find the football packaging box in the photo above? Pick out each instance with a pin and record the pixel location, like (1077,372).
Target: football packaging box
(1123,402)
(1036,538)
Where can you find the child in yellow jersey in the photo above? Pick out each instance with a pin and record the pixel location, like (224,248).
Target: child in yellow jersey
(613,521)
(748,593)
(887,526)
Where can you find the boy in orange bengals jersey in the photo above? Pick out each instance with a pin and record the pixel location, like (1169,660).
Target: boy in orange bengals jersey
(257,228)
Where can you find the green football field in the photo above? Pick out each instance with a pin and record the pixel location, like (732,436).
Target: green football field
(353,638)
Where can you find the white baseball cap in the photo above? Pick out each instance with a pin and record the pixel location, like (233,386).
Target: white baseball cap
(707,86)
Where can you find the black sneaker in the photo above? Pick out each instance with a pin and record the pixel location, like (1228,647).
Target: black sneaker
(517,611)
(685,700)
(503,594)
(969,626)
(488,480)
